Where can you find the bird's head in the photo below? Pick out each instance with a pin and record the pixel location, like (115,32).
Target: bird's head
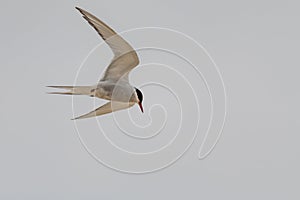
(140,98)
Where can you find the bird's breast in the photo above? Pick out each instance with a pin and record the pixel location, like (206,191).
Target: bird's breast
(115,92)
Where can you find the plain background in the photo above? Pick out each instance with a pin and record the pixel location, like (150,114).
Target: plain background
(256,46)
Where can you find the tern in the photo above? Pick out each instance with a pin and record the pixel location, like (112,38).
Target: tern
(114,85)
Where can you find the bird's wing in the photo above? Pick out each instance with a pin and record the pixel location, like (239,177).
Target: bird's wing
(109,107)
(125,57)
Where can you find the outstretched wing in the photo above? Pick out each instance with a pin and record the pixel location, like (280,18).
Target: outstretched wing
(106,108)
(125,57)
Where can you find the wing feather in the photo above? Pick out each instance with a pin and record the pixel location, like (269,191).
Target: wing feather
(125,57)
(106,108)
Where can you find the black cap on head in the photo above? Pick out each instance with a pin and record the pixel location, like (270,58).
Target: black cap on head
(140,97)
(139,94)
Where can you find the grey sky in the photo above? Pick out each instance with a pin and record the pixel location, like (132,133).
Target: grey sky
(254,43)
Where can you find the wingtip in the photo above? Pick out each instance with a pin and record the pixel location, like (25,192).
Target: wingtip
(79,9)
(76,118)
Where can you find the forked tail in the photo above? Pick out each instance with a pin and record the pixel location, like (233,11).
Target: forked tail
(75,90)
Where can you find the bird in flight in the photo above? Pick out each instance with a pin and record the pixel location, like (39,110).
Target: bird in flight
(114,85)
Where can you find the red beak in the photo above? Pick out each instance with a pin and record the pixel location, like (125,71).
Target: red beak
(141,107)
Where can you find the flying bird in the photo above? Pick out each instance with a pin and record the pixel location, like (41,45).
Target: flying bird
(114,85)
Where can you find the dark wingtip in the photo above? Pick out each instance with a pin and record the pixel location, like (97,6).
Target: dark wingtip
(79,9)
(75,118)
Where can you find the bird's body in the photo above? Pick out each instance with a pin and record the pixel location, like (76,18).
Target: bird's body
(121,91)
(114,85)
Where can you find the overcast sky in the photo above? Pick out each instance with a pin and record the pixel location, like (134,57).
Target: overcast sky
(253,44)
